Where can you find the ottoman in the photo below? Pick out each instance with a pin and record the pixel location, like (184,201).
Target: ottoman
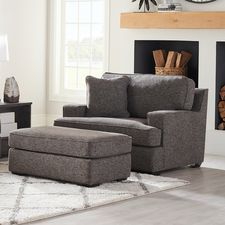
(78,156)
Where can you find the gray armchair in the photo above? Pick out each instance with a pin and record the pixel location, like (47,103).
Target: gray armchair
(163,139)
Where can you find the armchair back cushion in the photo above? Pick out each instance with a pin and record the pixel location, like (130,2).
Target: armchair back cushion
(147,93)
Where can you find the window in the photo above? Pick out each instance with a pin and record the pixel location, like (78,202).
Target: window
(78,27)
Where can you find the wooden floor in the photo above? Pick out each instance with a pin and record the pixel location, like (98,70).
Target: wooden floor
(200,203)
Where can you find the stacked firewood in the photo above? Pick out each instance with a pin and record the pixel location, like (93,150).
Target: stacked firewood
(221,107)
(171,59)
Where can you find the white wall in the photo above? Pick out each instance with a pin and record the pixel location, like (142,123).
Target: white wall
(25,23)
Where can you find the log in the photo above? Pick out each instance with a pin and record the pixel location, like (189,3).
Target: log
(159,57)
(221,106)
(186,56)
(223,88)
(178,61)
(222,114)
(221,110)
(222,93)
(221,126)
(171,59)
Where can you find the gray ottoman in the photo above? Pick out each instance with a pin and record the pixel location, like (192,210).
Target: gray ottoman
(73,155)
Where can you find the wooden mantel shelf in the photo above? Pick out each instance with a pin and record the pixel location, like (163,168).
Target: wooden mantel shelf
(173,20)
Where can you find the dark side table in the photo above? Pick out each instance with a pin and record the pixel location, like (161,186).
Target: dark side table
(22,118)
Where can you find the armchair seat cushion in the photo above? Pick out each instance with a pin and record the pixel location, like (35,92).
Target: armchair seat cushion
(141,133)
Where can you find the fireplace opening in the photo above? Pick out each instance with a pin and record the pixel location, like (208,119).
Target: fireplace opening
(144,61)
(220,83)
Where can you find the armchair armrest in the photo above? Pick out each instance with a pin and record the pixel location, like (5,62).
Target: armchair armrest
(183,119)
(174,119)
(183,135)
(74,110)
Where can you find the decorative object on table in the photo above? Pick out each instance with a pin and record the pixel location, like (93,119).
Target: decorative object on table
(11,91)
(61,198)
(146,4)
(200,1)
(173,63)
(169,6)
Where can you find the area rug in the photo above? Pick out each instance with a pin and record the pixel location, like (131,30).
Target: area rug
(25,199)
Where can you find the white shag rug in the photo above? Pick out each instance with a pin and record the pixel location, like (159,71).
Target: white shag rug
(25,199)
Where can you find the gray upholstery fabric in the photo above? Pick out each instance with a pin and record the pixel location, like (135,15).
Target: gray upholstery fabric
(88,172)
(107,98)
(70,142)
(200,100)
(141,134)
(147,160)
(74,110)
(183,135)
(147,93)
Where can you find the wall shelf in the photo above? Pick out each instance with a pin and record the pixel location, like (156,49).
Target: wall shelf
(173,20)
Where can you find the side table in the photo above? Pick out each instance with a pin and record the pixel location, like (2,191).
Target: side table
(22,118)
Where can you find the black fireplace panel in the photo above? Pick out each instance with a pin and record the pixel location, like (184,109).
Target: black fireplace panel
(143,57)
(220,76)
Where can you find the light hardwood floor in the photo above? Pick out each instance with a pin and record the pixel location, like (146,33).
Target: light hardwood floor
(200,203)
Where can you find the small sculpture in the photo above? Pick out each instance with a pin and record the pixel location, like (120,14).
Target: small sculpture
(11,91)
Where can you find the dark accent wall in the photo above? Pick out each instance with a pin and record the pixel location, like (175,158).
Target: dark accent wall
(220,76)
(143,57)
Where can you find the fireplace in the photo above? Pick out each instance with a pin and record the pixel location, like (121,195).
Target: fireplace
(144,62)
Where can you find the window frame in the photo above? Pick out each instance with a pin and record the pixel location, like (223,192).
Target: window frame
(56,53)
